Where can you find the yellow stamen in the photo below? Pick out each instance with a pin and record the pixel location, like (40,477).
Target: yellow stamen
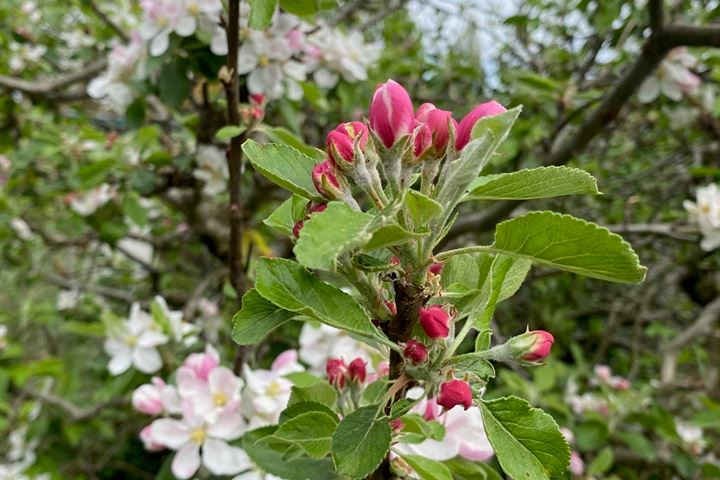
(273,389)
(264,61)
(197,436)
(220,399)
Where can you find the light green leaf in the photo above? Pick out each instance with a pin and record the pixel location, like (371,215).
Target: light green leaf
(228,132)
(361,442)
(272,461)
(421,208)
(391,235)
(323,393)
(300,408)
(257,318)
(305,8)
(571,244)
(542,182)
(601,463)
(428,469)
(526,440)
(285,216)
(312,431)
(473,363)
(284,166)
(292,287)
(286,137)
(261,13)
(506,276)
(463,469)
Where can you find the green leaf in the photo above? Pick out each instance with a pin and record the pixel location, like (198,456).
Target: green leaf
(421,208)
(285,216)
(304,407)
(306,8)
(570,244)
(361,442)
(601,463)
(257,318)
(542,182)
(284,166)
(463,469)
(473,363)
(506,276)
(292,287)
(526,440)
(173,83)
(415,423)
(272,461)
(286,137)
(323,393)
(228,132)
(261,13)
(428,469)
(312,431)
(391,235)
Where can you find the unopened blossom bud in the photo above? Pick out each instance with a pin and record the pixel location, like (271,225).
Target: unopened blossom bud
(455,392)
(341,141)
(464,129)
(435,322)
(436,268)
(336,371)
(317,208)
(531,346)
(394,260)
(423,140)
(438,122)
(391,306)
(397,424)
(297,227)
(391,113)
(148,399)
(415,351)
(149,442)
(357,371)
(257,99)
(325,181)
(577,466)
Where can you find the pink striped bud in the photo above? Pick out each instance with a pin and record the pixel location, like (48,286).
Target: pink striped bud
(357,371)
(325,181)
(415,351)
(455,392)
(423,139)
(391,113)
(438,122)
(435,322)
(464,129)
(342,141)
(531,346)
(148,399)
(336,371)
(297,227)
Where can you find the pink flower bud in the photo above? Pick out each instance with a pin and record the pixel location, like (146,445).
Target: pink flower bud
(325,181)
(257,99)
(391,306)
(434,322)
(394,260)
(436,268)
(203,363)
(357,371)
(455,392)
(383,369)
(391,113)
(297,227)
(487,109)
(423,139)
(397,424)
(542,342)
(577,466)
(415,351)
(620,383)
(148,399)
(438,122)
(317,208)
(336,370)
(342,141)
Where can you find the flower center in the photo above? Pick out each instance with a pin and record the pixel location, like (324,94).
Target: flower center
(263,61)
(193,9)
(131,340)
(704,208)
(197,436)
(220,399)
(273,389)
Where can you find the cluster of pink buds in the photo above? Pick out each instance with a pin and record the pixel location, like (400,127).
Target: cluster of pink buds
(254,112)
(339,373)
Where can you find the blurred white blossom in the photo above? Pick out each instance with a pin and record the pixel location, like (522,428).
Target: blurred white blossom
(705,211)
(212,169)
(87,203)
(673,78)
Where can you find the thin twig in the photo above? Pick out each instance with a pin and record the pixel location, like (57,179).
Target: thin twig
(106,20)
(47,88)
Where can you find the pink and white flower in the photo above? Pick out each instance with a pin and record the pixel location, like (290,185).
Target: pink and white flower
(319,343)
(674,78)
(268,391)
(156,398)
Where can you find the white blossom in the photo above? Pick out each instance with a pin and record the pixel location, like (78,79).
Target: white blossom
(673,78)
(319,343)
(705,211)
(134,342)
(87,203)
(333,55)
(212,169)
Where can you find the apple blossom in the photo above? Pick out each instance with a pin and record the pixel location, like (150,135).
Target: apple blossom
(332,54)
(705,211)
(197,440)
(415,351)
(156,398)
(673,78)
(202,364)
(212,169)
(336,372)
(134,342)
(437,123)
(465,127)
(341,141)
(325,181)
(148,441)
(357,371)
(319,343)
(89,202)
(391,113)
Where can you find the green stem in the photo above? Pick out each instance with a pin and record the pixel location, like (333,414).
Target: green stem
(459,251)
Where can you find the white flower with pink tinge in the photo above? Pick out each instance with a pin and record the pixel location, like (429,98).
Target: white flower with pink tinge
(156,398)
(603,374)
(87,203)
(268,391)
(134,342)
(213,396)
(674,78)
(706,213)
(319,343)
(464,433)
(164,17)
(198,441)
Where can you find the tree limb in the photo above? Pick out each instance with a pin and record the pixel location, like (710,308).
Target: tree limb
(46,88)
(106,20)
(77,414)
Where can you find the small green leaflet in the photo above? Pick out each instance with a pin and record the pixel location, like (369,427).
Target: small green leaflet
(361,442)
(428,469)
(323,393)
(285,216)
(284,166)
(228,132)
(312,431)
(542,182)
(292,287)
(257,318)
(526,440)
(571,244)
(261,12)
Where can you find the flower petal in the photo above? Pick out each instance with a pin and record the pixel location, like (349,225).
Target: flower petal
(186,461)
(222,459)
